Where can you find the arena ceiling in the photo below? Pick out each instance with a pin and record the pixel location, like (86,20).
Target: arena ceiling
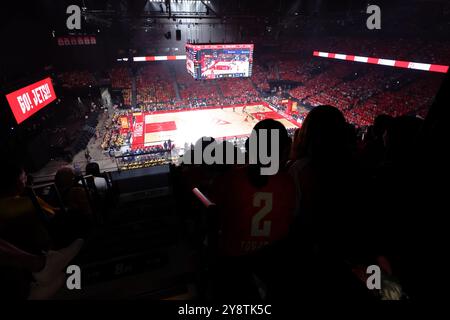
(129,14)
(29,30)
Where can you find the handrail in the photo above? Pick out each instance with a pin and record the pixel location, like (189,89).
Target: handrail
(204,199)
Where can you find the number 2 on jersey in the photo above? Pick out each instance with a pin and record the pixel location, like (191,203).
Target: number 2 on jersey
(263,199)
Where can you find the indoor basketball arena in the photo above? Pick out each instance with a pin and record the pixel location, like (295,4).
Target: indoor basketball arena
(103,101)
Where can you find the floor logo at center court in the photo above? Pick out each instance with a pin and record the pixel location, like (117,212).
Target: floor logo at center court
(220,122)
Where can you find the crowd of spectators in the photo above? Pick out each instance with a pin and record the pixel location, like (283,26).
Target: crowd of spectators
(41,231)
(76,79)
(363,92)
(260,78)
(114,138)
(143,157)
(295,69)
(359,184)
(333,170)
(153,84)
(327,176)
(120,77)
(236,87)
(195,89)
(126,94)
(360,91)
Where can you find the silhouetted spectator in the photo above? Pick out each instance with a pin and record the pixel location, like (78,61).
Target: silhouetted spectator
(73,195)
(19,220)
(374,149)
(100,183)
(326,230)
(243,194)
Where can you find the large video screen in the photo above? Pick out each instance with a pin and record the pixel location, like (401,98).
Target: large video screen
(191,64)
(219,61)
(27,101)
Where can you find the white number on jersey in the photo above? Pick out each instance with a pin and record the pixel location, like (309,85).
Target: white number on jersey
(257,229)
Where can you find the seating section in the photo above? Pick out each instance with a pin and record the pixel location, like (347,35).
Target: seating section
(195,89)
(154,84)
(158,228)
(107,178)
(236,87)
(77,79)
(120,77)
(260,77)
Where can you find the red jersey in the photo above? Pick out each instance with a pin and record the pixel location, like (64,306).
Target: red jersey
(252,217)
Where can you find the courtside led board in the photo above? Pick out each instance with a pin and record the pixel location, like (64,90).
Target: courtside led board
(27,101)
(385,62)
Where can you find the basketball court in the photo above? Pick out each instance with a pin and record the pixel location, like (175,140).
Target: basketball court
(183,127)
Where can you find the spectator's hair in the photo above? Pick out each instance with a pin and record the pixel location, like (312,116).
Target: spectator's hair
(323,136)
(284,143)
(64,178)
(352,136)
(270,124)
(402,137)
(92,168)
(381,124)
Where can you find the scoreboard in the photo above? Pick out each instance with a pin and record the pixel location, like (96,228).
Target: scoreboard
(219,60)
